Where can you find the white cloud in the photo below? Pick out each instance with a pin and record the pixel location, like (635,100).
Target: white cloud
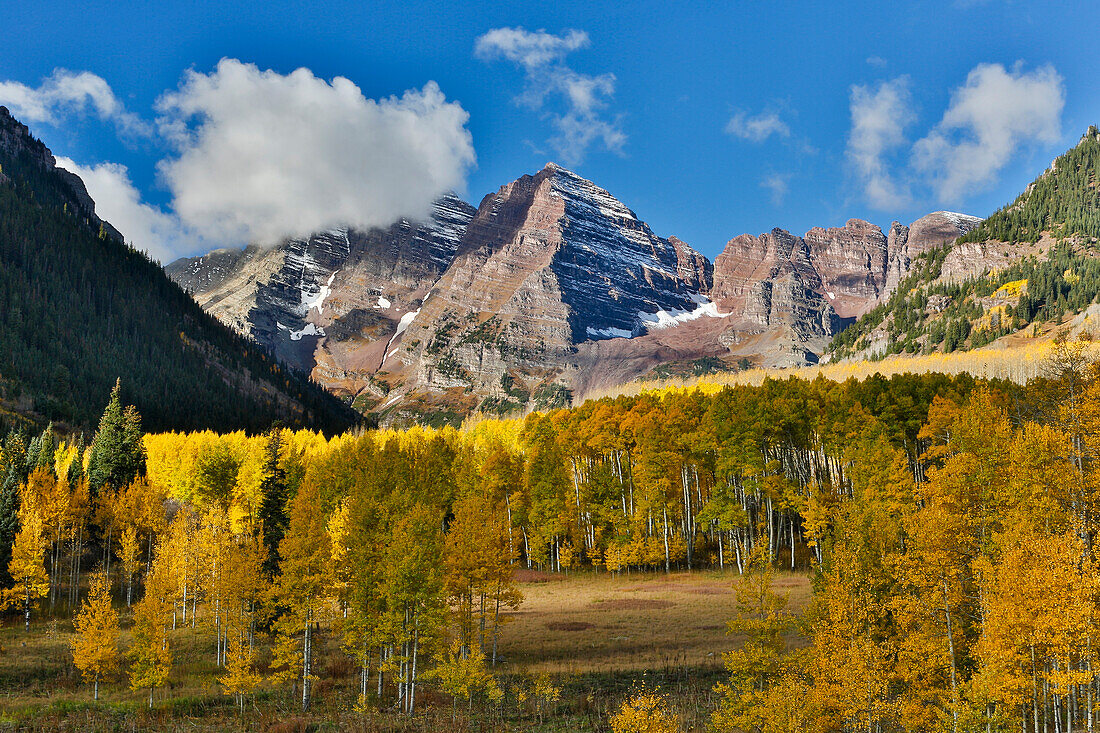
(146,227)
(757,128)
(777,184)
(66,92)
(880,115)
(262,155)
(528,49)
(579,120)
(877,62)
(990,117)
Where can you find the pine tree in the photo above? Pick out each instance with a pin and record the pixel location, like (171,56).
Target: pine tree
(118,454)
(95,648)
(274,516)
(9,517)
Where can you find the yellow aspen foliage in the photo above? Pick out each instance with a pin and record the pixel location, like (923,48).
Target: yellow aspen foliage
(465,675)
(765,657)
(545,693)
(95,646)
(304,587)
(645,712)
(150,654)
(128,552)
(27,570)
(240,678)
(480,581)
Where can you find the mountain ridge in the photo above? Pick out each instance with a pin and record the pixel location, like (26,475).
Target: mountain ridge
(1032,267)
(554,287)
(79,308)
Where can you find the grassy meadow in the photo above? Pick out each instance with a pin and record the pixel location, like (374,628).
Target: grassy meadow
(595,636)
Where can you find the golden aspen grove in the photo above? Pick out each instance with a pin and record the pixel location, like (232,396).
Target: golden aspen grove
(946,526)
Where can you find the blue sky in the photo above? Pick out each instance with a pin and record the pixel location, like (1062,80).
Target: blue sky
(708,119)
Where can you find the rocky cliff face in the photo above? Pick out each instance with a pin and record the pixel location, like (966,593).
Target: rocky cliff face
(329,303)
(851,261)
(16,141)
(906,243)
(769,281)
(786,296)
(802,288)
(551,284)
(549,262)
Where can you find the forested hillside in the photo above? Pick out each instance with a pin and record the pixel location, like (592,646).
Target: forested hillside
(79,309)
(1064,201)
(1032,263)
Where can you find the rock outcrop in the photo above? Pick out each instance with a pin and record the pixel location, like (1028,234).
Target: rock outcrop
(906,243)
(808,285)
(16,141)
(549,262)
(551,282)
(330,303)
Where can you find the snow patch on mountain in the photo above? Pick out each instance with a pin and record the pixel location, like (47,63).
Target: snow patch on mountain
(402,325)
(959,219)
(317,300)
(310,329)
(675,316)
(609,333)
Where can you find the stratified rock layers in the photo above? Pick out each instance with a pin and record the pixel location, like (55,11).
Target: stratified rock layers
(550,281)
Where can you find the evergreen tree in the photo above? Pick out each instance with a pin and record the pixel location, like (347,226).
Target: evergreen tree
(118,455)
(274,497)
(77,303)
(9,511)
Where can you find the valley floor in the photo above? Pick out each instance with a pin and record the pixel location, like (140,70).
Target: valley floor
(595,637)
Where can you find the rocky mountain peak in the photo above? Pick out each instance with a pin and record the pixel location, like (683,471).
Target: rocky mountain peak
(906,243)
(552,279)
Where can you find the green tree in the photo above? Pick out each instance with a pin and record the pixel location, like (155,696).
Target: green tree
(275,494)
(118,453)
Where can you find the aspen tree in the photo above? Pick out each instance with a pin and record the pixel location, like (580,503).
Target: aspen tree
(464,673)
(414,596)
(479,573)
(358,537)
(128,547)
(240,678)
(304,586)
(26,567)
(150,653)
(765,657)
(644,712)
(95,647)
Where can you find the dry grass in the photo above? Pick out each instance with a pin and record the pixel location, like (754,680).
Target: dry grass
(598,635)
(1016,357)
(601,623)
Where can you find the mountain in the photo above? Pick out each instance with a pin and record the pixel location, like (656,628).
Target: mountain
(1029,270)
(552,287)
(548,263)
(330,303)
(79,308)
(787,296)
